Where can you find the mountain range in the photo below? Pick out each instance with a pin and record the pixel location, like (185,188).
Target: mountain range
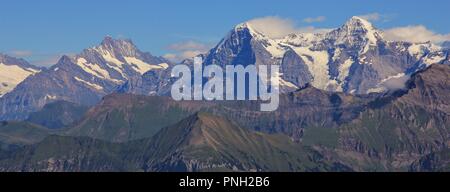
(13,71)
(354,59)
(351,101)
(82,79)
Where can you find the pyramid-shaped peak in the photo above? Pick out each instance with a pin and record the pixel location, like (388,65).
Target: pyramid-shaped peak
(243,26)
(357,22)
(116,47)
(110,41)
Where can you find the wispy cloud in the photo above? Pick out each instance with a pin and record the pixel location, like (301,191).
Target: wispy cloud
(314,19)
(186,49)
(277,27)
(415,33)
(188,45)
(21,53)
(395,83)
(376,17)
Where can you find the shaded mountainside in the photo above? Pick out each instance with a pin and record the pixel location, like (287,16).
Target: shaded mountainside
(82,79)
(58,153)
(207,142)
(405,128)
(58,115)
(13,71)
(354,58)
(201,142)
(435,162)
(124,117)
(313,130)
(13,134)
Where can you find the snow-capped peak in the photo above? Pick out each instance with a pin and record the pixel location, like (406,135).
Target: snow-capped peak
(356,21)
(248,26)
(358,33)
(124,47)
(13,71)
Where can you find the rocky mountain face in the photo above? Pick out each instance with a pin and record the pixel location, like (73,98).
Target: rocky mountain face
(351,101)
(126,117)
(354,58)
(13,71)
(15,134)
(58,115)
(201,142)
(82,79)
(154,82)
(402,129)
(302,111)
(312,130)
(204,142)
(434,162)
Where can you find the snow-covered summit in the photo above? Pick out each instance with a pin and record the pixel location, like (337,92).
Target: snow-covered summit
(353,58)
(13,71)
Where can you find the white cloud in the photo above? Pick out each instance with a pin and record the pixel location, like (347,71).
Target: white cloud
(416,33)
(273,26)
(187,49)
(311,29)
(376,17)
(314,19)
(277,27)
(188,45)
(396,83)
(371,16)
(170,56)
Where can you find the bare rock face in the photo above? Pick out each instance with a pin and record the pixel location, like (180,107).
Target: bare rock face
(354,58)
(13,71)
(82,79)
(430,89)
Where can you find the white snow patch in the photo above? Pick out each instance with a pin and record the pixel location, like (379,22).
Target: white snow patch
(96,70)
(391,83)
(93,85)
(400,75)
(50,97)
(284,83)
(317,62)
(344,69)
(108,56)
(93,69)
(275,50)
(418,50)
(433,59)
(112,61)
(271,45)
(141,66)
(376,90)
(12,75)
(164,65)
(337,54)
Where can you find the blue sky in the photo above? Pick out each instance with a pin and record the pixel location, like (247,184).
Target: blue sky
(41,31)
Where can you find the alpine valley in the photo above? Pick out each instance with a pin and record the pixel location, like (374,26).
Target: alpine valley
(351,101)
